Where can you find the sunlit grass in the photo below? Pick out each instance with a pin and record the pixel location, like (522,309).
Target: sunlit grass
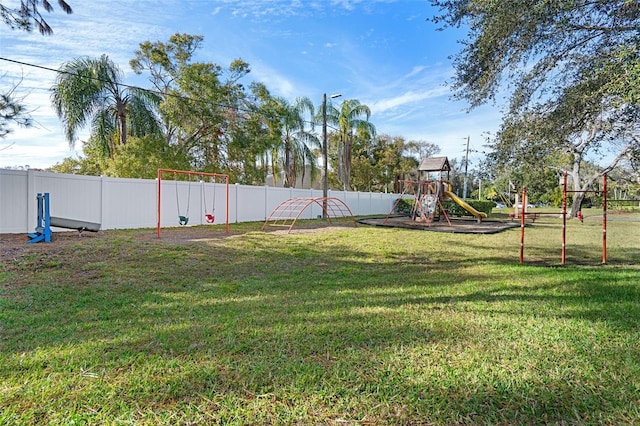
(366,325)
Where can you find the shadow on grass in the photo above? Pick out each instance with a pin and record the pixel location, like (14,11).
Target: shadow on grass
(443,331)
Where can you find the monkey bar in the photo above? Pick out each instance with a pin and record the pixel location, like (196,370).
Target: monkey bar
(287,213)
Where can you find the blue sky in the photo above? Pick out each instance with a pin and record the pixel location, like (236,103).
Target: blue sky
(382,52)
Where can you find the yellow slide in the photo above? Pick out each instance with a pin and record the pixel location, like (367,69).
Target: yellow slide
(464,205)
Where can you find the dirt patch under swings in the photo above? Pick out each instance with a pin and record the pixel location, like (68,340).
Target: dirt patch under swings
(14,246)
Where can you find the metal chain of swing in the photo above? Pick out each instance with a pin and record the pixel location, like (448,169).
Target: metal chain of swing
(209,217)
(183,220)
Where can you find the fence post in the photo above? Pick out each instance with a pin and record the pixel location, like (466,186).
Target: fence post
(235,188)
(103,203)
(32,191)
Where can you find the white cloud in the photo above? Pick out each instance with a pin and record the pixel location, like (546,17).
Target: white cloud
(410,97)
(282,40)
(278,84)
(415,71)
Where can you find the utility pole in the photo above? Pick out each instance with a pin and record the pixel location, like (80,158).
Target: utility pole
(466,168)
(325,158)
(325,184)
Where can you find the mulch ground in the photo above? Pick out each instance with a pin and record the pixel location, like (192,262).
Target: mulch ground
(456,226)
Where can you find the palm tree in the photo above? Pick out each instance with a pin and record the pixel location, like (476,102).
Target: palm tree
(91,90)
(297,141)
(352,121)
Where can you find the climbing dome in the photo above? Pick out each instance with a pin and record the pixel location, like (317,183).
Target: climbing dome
(287,213)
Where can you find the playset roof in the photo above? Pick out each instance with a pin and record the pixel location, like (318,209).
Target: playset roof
(434,164)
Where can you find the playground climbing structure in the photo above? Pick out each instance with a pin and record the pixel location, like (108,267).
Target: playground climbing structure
(426,199)
(289,211)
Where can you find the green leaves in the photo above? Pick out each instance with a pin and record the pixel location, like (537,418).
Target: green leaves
(352,121)
(569,73)
(91,90)
(534,45)
(12,110)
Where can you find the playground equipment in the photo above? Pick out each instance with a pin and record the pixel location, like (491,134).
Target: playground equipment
(429,195)
(287,213)
(429,201)
(209,214)
(46,221)
(182,219)
(477,214)
(43,226)
(520,207)
(524,215)
(506,200)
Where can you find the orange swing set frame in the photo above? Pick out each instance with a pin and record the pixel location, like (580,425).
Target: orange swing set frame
(189,174)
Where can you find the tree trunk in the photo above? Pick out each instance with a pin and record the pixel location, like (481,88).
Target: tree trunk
(341,161)
(121,111)
(578,198)
(287,165)
(578,190)
(274,169)
(346,180)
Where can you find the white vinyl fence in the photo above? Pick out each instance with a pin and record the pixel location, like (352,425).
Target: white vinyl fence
(132,203)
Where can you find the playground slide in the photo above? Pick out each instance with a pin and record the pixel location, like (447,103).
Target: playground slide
(464,205)
(61,222)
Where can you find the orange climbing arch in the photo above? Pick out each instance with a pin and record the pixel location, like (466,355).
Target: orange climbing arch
(287,212)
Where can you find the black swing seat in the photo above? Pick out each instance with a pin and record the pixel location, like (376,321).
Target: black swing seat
(79,225)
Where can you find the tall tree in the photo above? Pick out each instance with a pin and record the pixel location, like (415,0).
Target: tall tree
(164,62)
(254,137)
(571,66)
(91,90)
(296,139)
(379,164)
(204,107)
(12,110)
(352,121)
(549,140)
(28,14)
(201,103)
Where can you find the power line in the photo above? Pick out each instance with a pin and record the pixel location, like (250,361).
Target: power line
(159,93)
(128,86)
(132,87)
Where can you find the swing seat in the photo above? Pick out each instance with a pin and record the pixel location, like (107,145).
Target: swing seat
(183,220)
(209,218)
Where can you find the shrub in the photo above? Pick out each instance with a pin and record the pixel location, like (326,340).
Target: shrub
(404,206)
(484,206)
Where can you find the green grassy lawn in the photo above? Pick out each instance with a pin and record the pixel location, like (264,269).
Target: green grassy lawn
(343,326)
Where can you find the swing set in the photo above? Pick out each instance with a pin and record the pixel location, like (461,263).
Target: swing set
(214,180)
